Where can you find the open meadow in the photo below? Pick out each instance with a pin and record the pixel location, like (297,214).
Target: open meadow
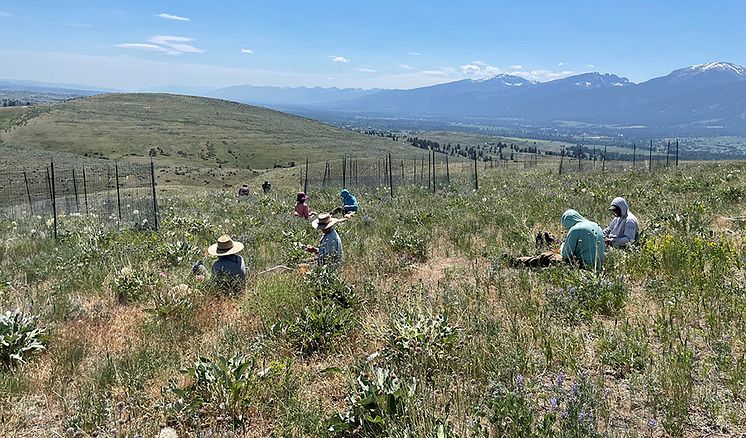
(425,331)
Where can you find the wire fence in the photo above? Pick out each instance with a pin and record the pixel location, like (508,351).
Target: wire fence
(117,195)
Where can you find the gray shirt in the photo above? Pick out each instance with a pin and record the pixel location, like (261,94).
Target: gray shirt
(330,249)
(230,271)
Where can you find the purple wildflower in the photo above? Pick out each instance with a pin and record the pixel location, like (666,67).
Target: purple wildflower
(519,379)
(553,402)
(560,378)
(652,423)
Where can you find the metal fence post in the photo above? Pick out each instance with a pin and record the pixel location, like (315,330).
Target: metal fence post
(155,201)
(650,157)
(562,160)
(28,193)
(54,201)
(75,189)
(85,191)
(305,181)
(119,199)
(476,172)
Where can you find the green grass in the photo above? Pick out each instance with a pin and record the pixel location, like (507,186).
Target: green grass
(187,131)
(425,331)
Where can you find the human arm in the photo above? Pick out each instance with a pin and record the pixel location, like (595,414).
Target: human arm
(630,232)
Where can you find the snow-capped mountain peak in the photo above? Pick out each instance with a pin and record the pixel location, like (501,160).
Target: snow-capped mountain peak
(506,79)
(720,68)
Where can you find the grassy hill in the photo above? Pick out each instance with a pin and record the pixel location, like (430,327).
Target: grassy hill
(185,131)
(425,331)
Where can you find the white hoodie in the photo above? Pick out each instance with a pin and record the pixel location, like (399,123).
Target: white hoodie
(623,229)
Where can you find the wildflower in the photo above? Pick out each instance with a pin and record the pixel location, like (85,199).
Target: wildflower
(199,278)
(652,423)
(135,212)
(553,402)
(168,432)
(560,378)
(227,221)
(519,379)
(163,274)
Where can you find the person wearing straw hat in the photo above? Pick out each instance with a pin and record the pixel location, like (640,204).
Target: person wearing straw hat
(229,271)
(301,209)
(330,247)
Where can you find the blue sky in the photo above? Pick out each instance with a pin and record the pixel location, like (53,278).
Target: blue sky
(391,44)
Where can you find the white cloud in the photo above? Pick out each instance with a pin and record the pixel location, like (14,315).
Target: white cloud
(248,51)
(517,67)
(480,69)
(173,17)
(139,46)
(414,53)
(365,70)
(406,67)
(170,45)
(175,43)
(340,59)
(560,64)
(591,66)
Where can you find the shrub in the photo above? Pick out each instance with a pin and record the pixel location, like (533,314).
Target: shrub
(409,246)
(587,294)
(131,285)
(318,325)
(171,302)
(377,403)
(19,337)
(220,388)
(174,253)
(421,342)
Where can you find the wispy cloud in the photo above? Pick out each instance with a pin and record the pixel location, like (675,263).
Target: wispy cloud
(560,64)
(173,17)
(170,45)
(340,59)
(248,51)
(591,66)
(545,75)
(365,70)
(406,67)
(414,53)
(517,67)
(140,46)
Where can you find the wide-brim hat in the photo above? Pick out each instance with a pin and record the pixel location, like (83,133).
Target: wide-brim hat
(325,221)
(225,247)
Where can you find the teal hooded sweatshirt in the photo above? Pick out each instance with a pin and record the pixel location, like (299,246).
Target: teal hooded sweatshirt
(584,242)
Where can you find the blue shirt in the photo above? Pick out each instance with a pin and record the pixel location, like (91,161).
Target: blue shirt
(330,249)
(230,271)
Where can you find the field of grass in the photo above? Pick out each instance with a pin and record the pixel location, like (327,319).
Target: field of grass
(9,115)
(187,131)
(425,330)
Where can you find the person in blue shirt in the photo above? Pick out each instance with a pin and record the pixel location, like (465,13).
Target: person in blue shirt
(583,245)
(229,271)
(349,203)
(329,250)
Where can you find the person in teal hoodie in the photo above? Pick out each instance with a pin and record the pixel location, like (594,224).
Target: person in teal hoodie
(584,245)
(584,242)
(349,203)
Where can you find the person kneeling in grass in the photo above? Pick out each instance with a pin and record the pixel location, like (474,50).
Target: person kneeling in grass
(229,270)
(329,250)
(301,209)
(349,204)
(624,228)
(583,246)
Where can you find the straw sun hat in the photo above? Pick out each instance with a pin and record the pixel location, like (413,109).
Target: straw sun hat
(325,221)
(225,246)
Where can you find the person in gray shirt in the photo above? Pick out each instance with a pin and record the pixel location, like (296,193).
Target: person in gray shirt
(229,271)
(329,250)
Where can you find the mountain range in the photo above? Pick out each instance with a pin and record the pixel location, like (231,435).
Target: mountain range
(704,97)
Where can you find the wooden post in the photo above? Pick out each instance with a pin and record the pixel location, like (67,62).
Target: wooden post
(434,184)
(326,172)
(344,172)
(580,154)
(155,201)
(402,172)
(429,170)
(119,198)
(414,170)
(28,193)
(422,169)
(54,201)
(85,191)
(668,152)
(634,154)
(476,174)
(677,152)
(391,178)
(650,157)
(603,163)
(562,160)
(75,189)
(448,172)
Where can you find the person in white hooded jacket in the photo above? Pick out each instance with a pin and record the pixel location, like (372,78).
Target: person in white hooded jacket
(624,228)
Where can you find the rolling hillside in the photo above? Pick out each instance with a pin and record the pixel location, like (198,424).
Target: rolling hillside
(187,131)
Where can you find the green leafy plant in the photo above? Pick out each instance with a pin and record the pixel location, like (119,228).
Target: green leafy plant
(586,295)
(409,246)
(20,337)
(318,325)
(171,302)
(421,342)
(378,402)
(625,349)
(130,285)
